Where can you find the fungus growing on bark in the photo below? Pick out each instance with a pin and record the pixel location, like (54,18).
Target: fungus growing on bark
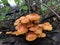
(29,25)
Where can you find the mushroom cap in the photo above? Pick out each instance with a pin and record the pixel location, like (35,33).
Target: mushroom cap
(33,28)
(30,25)
(42,35)
(24,19)
(38,31)
(36,21)
(21,29)
(17,22)
(33,16)
(46,23)
(31,36)
(47,26)
(40,25)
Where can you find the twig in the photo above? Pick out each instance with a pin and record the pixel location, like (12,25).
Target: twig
(52,11)
(28,3)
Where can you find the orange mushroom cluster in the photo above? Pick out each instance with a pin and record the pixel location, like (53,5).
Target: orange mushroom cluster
(29,26)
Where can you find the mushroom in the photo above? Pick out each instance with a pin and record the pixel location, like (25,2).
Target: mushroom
(17,22)
(47,26)
(42,35)
(33,16)
(40,25)
(46,23)
(36,21)
(31,36)
(30,25)
(16,33)
(33,28)
(10,32)
(21,29)
(38,31)
(24,19)
(0,32)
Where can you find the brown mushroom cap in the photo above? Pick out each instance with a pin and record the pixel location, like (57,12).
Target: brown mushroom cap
(21,29)
(36,21)
(47,26)
(24,19)
(33,16)
(17,22)
(42,35)
(30,36)
(38,31)
(33,28)
(46,23)
(41,25)
(30,25)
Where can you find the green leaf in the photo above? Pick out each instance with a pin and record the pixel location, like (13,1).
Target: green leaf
(21,2)
(2,17)
(24,7)
(16,1)
(4,2)
(49,3)
(43,8)
(5,9)
(54,2)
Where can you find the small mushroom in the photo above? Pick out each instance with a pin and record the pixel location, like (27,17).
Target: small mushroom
(33,16)
(46,23)
(42,35)
(10,32)
(47,26)
(0,33)
(31,36)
